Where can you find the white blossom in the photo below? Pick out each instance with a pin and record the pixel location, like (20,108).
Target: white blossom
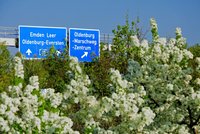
(198,60)
(10,116)
(197,81)
(172,42)
(188,77)
(78,68)
(45,116)
(56,100)
(183,130)
(34,81)
(91,101)
(76,100)
(149,115)
(122,83)
(135,41)
(4,125)
(117,113)
(3,108)
(170,86)
(188,54)
(154,28)
(91,122)
(196,95)
(153,23)
(19,71)
(144,44)
(179,57)
(73,83)
(178,31)
(162,41)
(157,49)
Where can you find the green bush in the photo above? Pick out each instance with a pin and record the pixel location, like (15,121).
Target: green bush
(6,68)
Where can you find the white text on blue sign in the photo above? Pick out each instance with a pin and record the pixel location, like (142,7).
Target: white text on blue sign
(35,42)
(84,44)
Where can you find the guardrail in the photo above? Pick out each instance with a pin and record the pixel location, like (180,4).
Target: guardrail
(12,32)
(8,32)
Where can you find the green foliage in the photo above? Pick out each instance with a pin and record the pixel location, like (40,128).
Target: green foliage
(16,81)
(56,69)
(6,68)
(51,71)
(195,50)
(35,68)
(98,72)
(122,45)
(90,130)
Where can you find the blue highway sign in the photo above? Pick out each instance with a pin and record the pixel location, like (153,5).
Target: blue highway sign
(35,41)
(84,44)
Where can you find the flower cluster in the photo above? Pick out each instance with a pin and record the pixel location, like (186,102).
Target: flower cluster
(180,41)
(163,71)
(135,40)
(124,104)
(123,108)
(119,84)
(78,87)
(55,99)
(154,29)
(19,70)
(26,109)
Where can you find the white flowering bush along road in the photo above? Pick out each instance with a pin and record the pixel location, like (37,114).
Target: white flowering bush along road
(158,95)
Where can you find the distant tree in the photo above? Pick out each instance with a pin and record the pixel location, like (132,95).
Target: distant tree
(98,71)
(122,49)
(122,41)
(162,69)
(195,50)
(6,67)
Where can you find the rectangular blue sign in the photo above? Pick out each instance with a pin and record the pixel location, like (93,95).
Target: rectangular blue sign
(84,44)
(35,41)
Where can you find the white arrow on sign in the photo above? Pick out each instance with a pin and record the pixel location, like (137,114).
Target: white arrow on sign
(28,52)
(58,53)
(84,55)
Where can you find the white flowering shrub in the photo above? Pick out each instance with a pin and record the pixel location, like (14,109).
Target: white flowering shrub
(29,110)
(162,69)
(121,112)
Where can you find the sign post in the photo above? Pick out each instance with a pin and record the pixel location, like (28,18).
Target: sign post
(84,44)
(35,41)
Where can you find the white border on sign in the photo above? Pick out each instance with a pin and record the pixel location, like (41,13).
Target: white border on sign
(84,29)
(38,27)
(42,27)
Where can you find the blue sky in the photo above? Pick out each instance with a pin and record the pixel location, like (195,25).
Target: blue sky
(105,14)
